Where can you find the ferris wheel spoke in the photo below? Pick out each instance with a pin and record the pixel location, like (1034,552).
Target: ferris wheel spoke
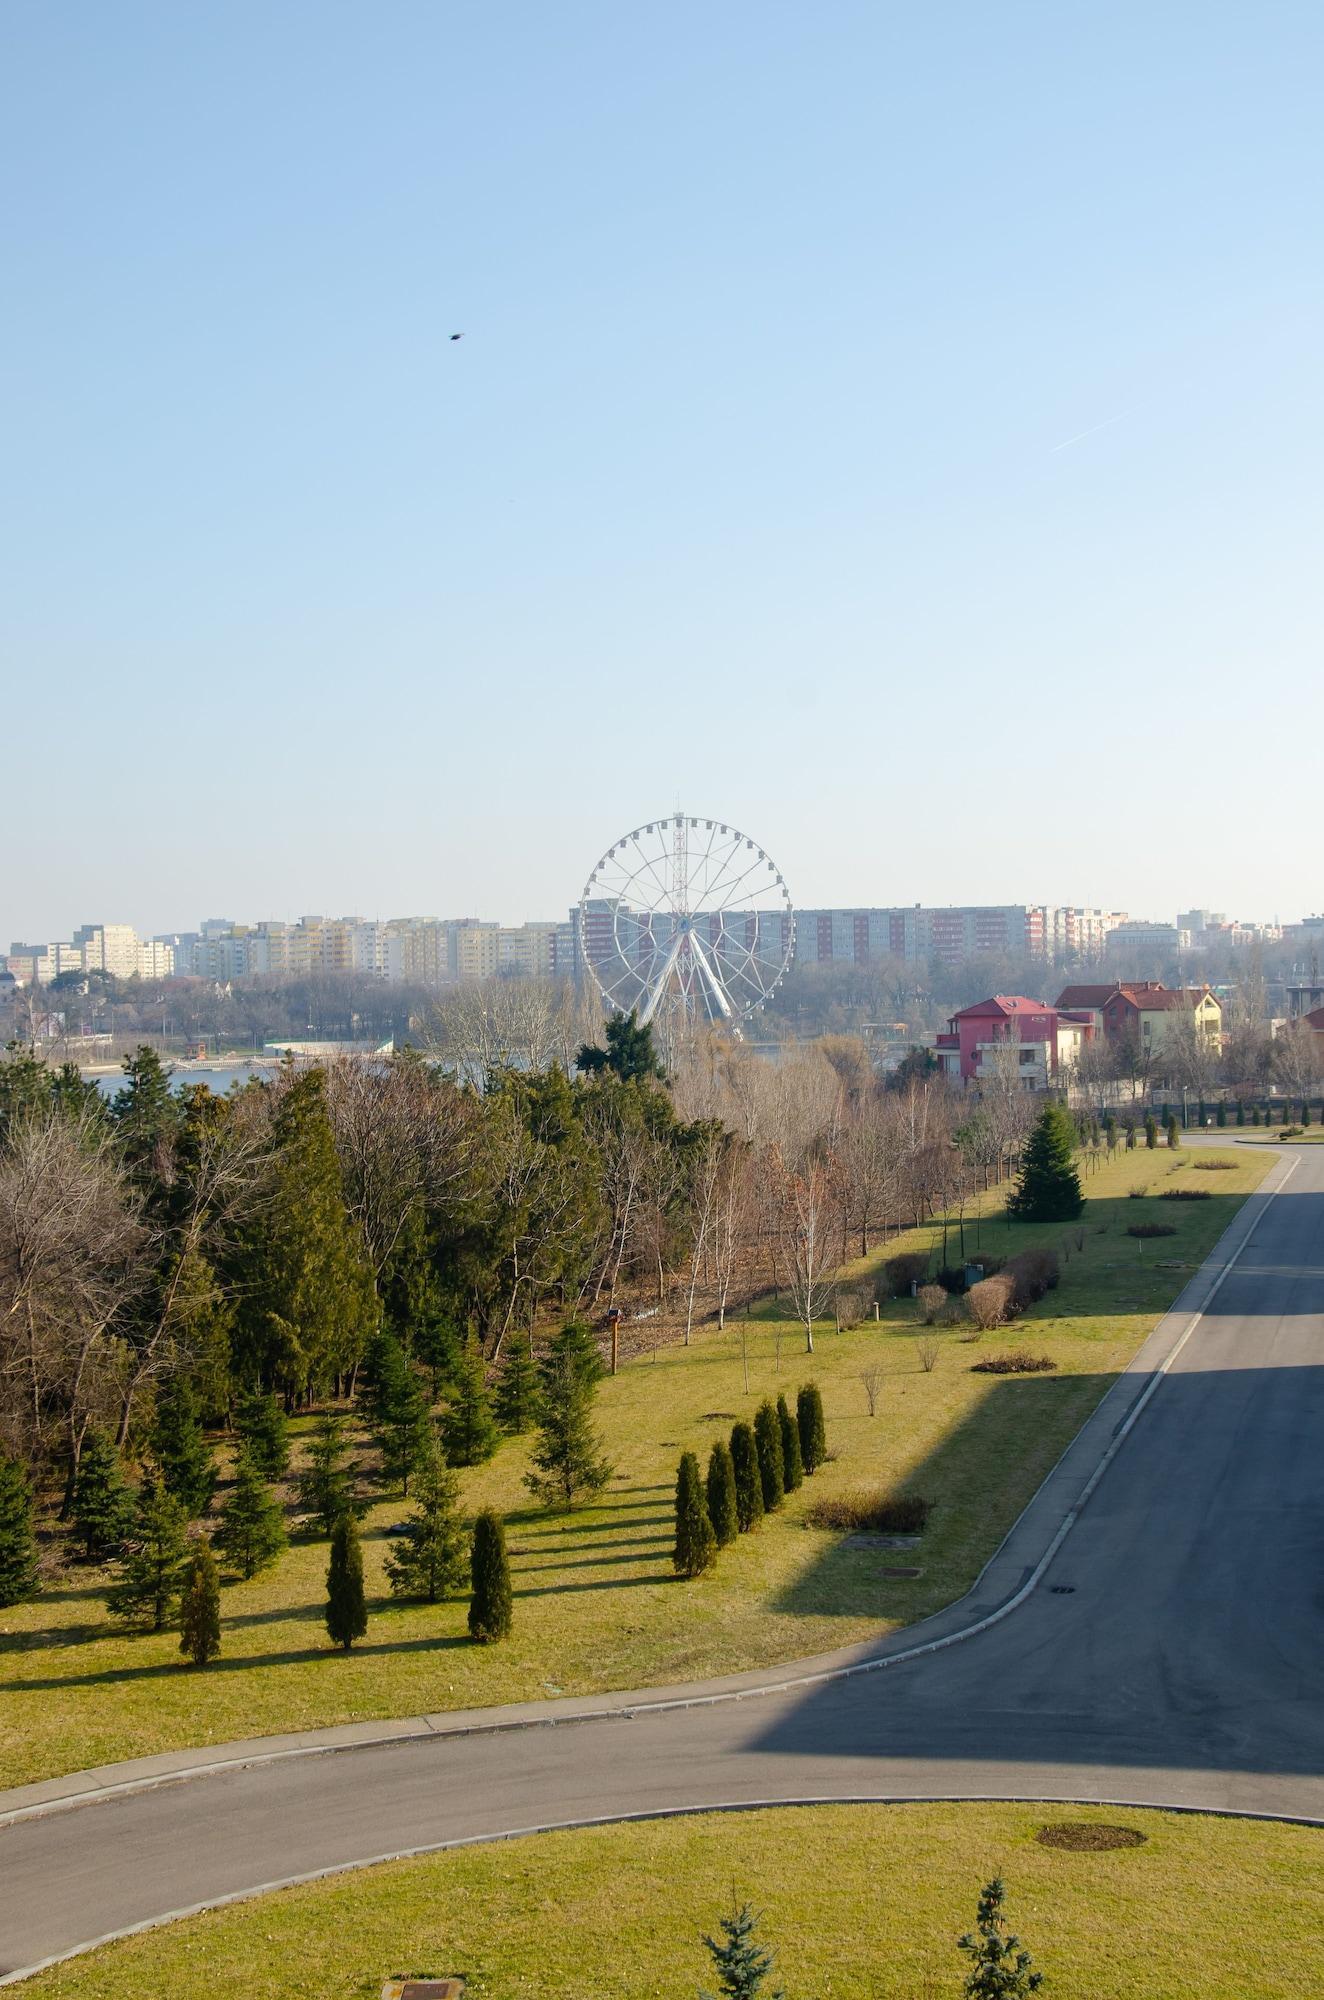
(664,887)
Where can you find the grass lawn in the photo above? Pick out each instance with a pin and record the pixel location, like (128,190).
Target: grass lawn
(1206,1909)
(596,1604)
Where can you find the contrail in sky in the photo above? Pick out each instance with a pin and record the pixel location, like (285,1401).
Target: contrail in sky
(1093,431)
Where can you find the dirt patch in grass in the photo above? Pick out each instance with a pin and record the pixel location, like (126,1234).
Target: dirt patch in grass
(1084,1836)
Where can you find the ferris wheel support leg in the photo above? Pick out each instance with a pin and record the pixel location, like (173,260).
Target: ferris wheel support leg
(715,987)
(659,986)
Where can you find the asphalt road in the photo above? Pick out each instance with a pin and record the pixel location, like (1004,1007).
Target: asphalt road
(1172,1654)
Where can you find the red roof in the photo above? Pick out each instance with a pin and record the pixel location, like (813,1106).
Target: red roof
(1005,1006)
(1086,996)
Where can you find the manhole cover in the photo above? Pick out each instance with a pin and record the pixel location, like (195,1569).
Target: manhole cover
(1089,1836)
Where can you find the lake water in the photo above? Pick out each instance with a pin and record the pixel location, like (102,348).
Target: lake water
(218,1077)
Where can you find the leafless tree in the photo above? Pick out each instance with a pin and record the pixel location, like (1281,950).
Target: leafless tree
(1297,1065)
(871,1381)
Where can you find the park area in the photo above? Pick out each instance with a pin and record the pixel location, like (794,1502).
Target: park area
(596,1603)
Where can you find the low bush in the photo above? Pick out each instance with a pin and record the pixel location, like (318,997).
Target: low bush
(899,1273)
(854,1306)
(1291,1132)
(1187,1194)
(952,1278)
(1215,1166)
(1136,1193)
(932,1301)
(1148,1229)
(1034,1273)
(877,1513)
(990,1303)
(927,1351)
(1019,1363)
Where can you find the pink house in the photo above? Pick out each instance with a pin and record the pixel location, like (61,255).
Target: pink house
(1046,1039)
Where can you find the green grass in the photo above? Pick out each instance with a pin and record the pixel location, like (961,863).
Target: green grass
(596,1604)
(860,1902)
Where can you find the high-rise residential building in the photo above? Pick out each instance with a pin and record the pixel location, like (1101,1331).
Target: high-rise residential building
(475,949)
(156,959)
(109,948)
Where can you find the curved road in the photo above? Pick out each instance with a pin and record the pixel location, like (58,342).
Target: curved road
(1169,1651)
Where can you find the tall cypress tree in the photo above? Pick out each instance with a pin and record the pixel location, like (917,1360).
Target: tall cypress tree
(326,1483)
(306,1298)
(490,1604)
(749,1483)
(261,1424)
(429,1557)
(187,1467)
(569,1464)
(811,1426)
(1049,1187)
(516,1398)
(103,1500)
(346,1605)
(18,1545)
(1151,1140)
(200,1606)
(151,1566)
(696,1544)
(793,1471)
(468,1430)
(252,1530)
(721,1484)
(768,1445)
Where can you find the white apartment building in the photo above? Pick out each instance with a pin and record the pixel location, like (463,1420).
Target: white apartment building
(109,948)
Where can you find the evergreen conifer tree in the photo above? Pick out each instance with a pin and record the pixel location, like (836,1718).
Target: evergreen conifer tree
(811,1426)
(1173,1133)
(696,1544)
(721,1486)
(252,1530)
(793,1471)
(516,1400)
(1255,1114)
(1110,1132)
(1220,1116)
(397,1411)
(346,1605)
(490,1604)
(568,1459)
(261,1424)
(749,1482)
(429,1558)
(468,1430)
(200,1606)
(1151,1140)
(151,1564)
(999,1968)
(1049,1187)
(187,1468)
(102,1508)
(1130,1138)
(768,1445)
(742,1966)
(326,1483)
(1241,1111)
(18,1545)
(1305,1111)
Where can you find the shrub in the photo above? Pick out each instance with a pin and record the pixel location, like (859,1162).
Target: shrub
(1186,1194)
(1151,1134)
(489,1576)
(1147,1229)
(1033,1272)
(1130,1138)
(1291,1132)
(932,1299)
(721,1488)
(768,1445)
(854,1307)
(991,1301)
(696,1544)
(899,1273)
(879,1513)
(927,1351)
(952,1278)
(1215,1166)
(1017,1363)
(200,1607)
(812,1429)
(749,1486)
(1136,1193)
(793,1472)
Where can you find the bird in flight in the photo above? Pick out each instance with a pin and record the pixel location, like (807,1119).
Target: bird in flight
(457,336)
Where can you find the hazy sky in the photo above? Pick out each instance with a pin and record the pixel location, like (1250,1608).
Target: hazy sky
(894,428)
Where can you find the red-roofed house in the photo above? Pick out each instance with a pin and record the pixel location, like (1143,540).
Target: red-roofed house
(1047,1039)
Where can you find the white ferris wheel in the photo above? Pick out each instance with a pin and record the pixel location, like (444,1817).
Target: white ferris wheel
(688,916)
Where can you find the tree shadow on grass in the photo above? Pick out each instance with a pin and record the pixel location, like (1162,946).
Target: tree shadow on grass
(232,1663)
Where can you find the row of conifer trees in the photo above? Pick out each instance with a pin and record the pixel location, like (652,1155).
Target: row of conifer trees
(747,1478)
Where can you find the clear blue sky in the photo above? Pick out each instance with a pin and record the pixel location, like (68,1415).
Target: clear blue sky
(749,485)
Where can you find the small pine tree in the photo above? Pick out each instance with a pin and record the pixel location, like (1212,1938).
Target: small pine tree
(187,1468)
(1255,1114)
(262,1427)
(1151,1132)
(1173,1133)
(1305,1111)
(468,1432)
(749,1482)
(696,1544)
(721,1485)
(742,1966)
(252,1530)
(326,1484)
(489,1570)
(397,1412)
(811,1426)
(346,1605)
(768,1444)
(428,1560)
(1203,1115)
(999,1968)
(200,1607)
(18,1544)
(515,1402)
(1220,1116)
(1241,1111)
(1049,1187)
(152,1562)
(569,1464)
(1130,1138)
(793,1470)
(103,1501)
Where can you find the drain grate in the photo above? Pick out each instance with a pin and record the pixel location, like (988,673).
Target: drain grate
(1062,1589)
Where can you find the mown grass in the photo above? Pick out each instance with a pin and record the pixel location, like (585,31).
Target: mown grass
(860,1902)
(596,1604)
